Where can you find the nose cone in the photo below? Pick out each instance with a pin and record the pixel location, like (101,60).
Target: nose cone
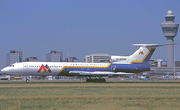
(4,70)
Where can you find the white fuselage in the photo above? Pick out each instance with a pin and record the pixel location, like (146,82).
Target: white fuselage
(54,68)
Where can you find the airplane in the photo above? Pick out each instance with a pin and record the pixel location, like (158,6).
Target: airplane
(119,65)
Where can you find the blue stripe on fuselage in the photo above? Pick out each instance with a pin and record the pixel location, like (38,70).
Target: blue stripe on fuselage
(135,67)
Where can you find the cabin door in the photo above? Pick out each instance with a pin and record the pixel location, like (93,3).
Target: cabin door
(25,66)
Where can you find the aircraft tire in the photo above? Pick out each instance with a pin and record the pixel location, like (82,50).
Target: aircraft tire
(103,80)
(96,80)
(89,80)
(27,80)
(100,80)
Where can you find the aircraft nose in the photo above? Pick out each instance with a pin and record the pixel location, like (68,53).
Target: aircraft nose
(4,70)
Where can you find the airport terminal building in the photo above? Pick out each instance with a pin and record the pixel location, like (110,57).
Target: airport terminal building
(13,57)
(97,58)
(54,56)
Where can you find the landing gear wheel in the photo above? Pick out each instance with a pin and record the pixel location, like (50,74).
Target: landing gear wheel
(87,80)
(103,80)
(95,80)
(27,80)
(99,80)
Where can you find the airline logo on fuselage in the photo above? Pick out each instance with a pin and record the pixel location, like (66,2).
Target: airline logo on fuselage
(141,53)
(45,68)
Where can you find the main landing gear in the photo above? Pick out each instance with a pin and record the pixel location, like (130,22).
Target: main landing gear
(95,80)
(27,80)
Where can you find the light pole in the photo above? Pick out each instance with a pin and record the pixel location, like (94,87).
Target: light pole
(68,53)
(174,67)
(174,64)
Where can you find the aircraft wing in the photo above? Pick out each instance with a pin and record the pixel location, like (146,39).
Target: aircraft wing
(98,73)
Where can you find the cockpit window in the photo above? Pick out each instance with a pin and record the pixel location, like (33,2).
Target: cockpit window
(11,65)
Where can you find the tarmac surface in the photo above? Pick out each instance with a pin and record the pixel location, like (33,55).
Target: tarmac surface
(83,81)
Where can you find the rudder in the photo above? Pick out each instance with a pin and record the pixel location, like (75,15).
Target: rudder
(144,53)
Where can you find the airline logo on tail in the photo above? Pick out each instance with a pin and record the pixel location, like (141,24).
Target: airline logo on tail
(141,53)
(45,68)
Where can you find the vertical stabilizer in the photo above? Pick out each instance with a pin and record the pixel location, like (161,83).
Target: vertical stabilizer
(143,54)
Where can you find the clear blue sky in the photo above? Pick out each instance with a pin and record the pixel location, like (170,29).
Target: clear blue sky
(86,26)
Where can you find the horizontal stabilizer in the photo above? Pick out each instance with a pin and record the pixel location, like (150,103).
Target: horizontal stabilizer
(152,45)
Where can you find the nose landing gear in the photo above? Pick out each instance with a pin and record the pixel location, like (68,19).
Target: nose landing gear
(27,80)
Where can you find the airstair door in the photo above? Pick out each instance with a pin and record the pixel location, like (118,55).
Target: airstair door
(25,66)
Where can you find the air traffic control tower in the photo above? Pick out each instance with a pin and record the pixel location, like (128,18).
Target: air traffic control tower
(170,29)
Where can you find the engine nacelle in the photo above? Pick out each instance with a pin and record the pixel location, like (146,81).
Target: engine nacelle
(119,58)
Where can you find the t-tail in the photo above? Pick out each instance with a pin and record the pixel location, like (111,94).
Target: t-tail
(143,54)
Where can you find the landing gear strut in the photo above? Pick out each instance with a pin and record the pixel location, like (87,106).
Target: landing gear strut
(27,80)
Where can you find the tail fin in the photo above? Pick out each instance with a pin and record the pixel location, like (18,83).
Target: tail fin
(144,53)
